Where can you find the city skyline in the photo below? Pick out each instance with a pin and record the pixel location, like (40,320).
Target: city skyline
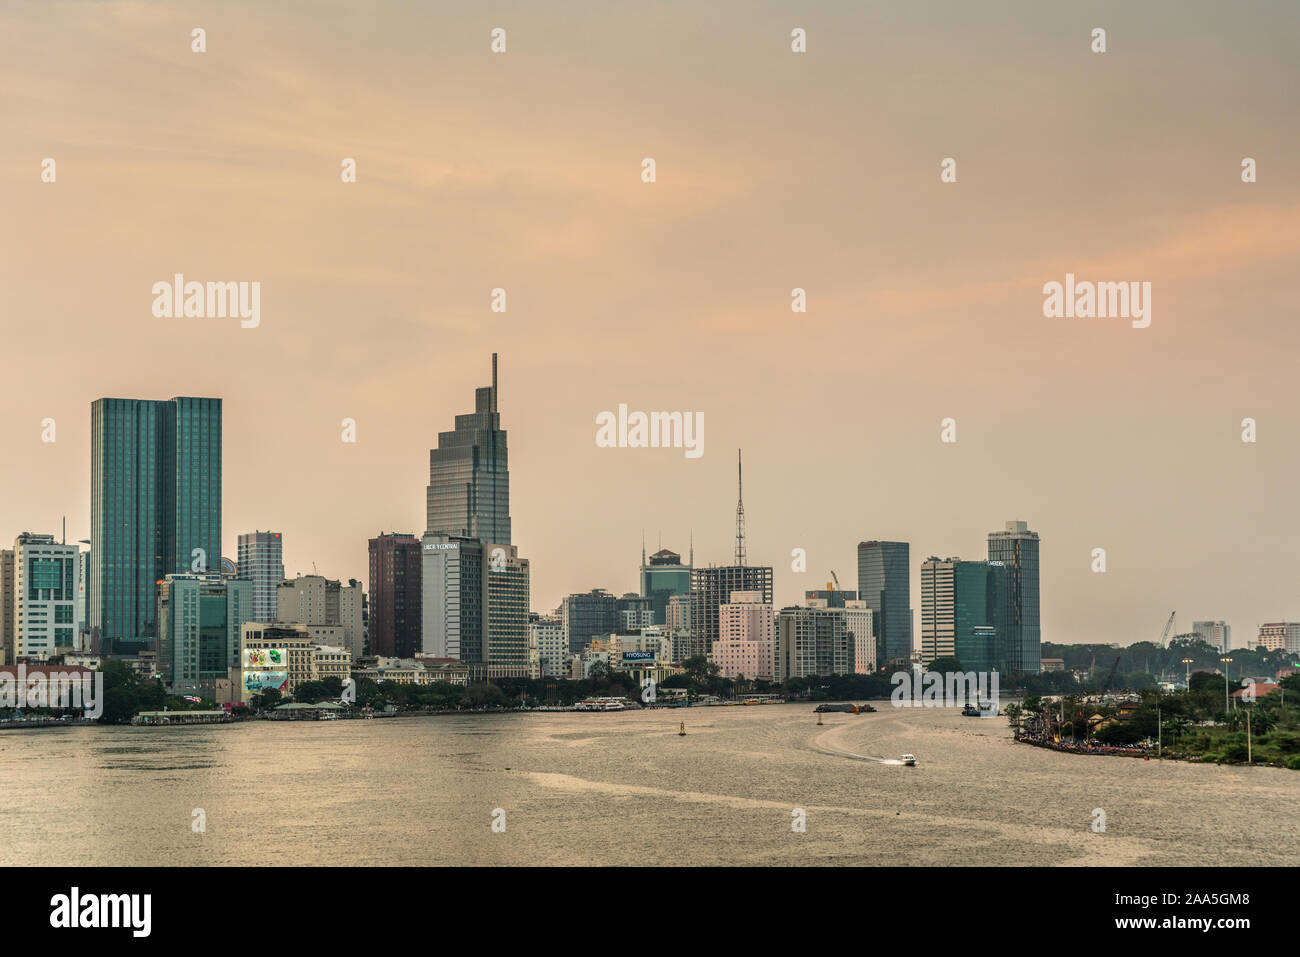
(376,297)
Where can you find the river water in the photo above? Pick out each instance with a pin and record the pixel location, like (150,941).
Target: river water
(622,788)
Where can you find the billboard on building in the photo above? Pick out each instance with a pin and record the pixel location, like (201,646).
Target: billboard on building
(638,658)
(265,658)
(256,682)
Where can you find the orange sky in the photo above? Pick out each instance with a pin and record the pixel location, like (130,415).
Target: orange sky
(775,170)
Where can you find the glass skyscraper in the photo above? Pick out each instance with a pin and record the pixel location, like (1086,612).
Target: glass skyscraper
(661,578)
(155,509)
(1017,548)
(469,479)
(885,584)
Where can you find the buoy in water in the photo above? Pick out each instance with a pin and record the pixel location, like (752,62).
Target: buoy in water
(819,718)
(683,730)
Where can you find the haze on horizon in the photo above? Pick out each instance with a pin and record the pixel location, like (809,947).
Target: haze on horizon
(774,171)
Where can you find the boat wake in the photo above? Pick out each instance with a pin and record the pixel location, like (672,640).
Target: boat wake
(825,748)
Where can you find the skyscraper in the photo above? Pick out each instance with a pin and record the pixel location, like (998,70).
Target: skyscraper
(1216,633)
(812,641)
(1017,548)
(261,561)
(588,615)
(395,595)
(884,583)
(961,613)
(6,606)
(469,477)
(661,578)
(155,509)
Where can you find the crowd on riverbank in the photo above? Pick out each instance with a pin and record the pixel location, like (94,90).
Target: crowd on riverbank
(1084,747)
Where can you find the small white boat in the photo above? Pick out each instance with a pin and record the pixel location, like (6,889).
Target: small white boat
(909,760)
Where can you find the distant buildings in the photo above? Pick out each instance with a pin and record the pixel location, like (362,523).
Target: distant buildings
(812,641)
(1280,636)
(885,584)
(713,587)
(586,615)
(318,601)
(261,561)
(1017,548)
(200,619)
(395,595)
(965,612)
(44,597)
(746,643)
(1215,633)
(155,509)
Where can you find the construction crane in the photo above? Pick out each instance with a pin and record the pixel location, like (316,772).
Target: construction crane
(837,580)
(1168,625)
(1111,677)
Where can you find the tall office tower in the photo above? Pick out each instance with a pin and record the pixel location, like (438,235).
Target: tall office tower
(395,595)
(661,578)
(45,595)
(962,615)
(6,606)
(469,479)
(746,643)
(261,561)
(155,509)
(317,600)
(588,615)
(506,584)
(812,641)
(200,618)
(1017,548)
(885,584)
(858,620)
(1216,633)
(452,607)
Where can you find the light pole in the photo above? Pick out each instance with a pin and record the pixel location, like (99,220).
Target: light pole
(1187,668)
(1226,663)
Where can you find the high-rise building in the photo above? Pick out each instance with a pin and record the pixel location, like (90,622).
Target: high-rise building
(469,478)
(1017,548)
(1280,636)
(634,612)
(588,615)
(1216,633)
(261,561)
(661,578)
(746,643)
(885,584)
(812,641)
(155,509)
(395,595)
(857,620)
(200,618)
(319,601)
(7,606)
(45,596)
(963,613)
(506,592)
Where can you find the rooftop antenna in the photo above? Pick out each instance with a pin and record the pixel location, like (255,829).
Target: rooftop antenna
(494,382)
(65,529)
(692,548)
(643,548)
(740,512)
